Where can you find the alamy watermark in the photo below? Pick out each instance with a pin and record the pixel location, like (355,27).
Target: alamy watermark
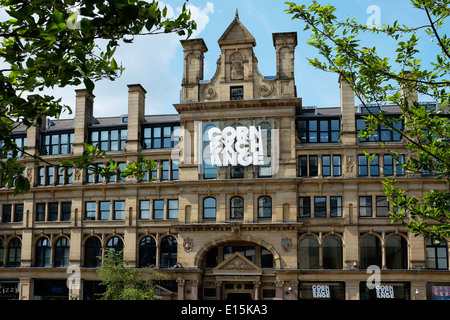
(374,20)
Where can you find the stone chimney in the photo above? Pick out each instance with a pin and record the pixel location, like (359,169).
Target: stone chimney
(136,115)
(84,113)
(348,121)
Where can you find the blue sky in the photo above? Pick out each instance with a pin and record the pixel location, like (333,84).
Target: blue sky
(156,62)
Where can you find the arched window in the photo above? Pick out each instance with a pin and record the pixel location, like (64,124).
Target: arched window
(116,245)
(332,252)
(308,253)
(62,250)
(43,253)
(396,250)
(2,253)
(209,208)
(237,208)
(437,254)
(265,207)
(14,252)
(168,252)
(92,252)
(370,251)
(147,252)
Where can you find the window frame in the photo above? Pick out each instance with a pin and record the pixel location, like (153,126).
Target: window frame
(121,140)
(264,207)
(208,208)
(234,207)
(368,208)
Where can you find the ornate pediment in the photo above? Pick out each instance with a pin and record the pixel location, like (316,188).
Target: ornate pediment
(236,33)
(237,264)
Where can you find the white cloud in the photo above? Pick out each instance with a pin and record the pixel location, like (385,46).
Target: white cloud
(200,16)
(155,62)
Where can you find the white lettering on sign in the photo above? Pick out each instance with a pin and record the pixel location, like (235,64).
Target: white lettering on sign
(321,291)
(232,146)
(385,292)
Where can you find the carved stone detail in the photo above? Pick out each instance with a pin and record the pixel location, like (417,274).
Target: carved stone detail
(237,66)
(266,89)
(209,93)
(237,264)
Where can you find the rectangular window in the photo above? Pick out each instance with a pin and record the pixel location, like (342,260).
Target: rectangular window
(237,172)
(382,206)
(383,134)
(109,139)
(323,130)
(303,166)
(18,213)
(91,208)
(237,93)
(313,166)
(335,207)
(119,210)
(175,170)
(304,207)
(326,166)
(399,170)
(173,209)
(165,170)
(40,212)
(302,130)
(53,211)
(66,210)
(41,178)
(337,166)
(374,166)
(57,143)
(388,165)
(167,141)
(50,175)
(158,209)
(320,207)
(365,206)
(144,209)
(164,136)
(60,175)
(7,213)
(105,210)
(363,166)
(312,132)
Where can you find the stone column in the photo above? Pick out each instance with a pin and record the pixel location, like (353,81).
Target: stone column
(257,290)
(180,283)
(25,289)
(218,290)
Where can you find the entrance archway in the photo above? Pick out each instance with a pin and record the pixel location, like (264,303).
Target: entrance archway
(250,240)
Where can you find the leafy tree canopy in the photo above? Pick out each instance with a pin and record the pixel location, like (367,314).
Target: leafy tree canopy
(58,43)
(378,80)
(123,283)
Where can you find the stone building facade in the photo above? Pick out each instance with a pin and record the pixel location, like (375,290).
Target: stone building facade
(308,221)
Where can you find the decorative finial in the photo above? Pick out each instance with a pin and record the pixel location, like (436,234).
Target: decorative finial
(237,13)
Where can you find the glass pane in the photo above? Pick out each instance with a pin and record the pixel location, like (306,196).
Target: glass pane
(104,135)
(114,135)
